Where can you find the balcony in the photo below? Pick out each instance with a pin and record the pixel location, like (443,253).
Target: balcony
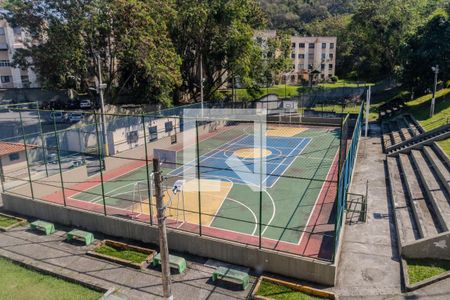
(3,47)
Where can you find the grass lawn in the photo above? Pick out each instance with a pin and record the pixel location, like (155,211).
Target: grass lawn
(420,109)
(350,109)
(292,90)
(7,221)
(17,282)
(130,255)
(280,90)
(281,292)
(421,269)
(343,83)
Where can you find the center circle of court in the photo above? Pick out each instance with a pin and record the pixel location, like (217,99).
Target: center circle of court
(252,153)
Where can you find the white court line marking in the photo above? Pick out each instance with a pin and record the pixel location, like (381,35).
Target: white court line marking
(289,165)
(110,193)
(317,199)
(209,154)
(110,179)
(221,204)
(252,212)
(122,174)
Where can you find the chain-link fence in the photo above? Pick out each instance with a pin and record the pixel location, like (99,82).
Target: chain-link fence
(270,183)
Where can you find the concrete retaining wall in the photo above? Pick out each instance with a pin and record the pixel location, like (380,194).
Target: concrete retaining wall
(434,247)
(260,260)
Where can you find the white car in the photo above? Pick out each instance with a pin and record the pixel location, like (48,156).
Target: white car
(85,103)
(58,117)
(75,117)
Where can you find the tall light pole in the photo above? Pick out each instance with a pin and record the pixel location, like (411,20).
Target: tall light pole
(433,100)
(163,246)
(201,82)
(102,106)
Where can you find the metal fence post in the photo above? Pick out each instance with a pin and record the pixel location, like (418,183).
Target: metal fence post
(198,179)
(260,185)
(100,160)
(44,143)
(26,155)
(55,129)
(149,193)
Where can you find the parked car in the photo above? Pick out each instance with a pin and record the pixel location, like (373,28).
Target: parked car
(52,158)
(75,117)
(86,103)
(58,117)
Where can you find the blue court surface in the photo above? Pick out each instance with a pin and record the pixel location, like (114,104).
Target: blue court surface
(226,164)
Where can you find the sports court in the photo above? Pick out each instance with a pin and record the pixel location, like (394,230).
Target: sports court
(294,212)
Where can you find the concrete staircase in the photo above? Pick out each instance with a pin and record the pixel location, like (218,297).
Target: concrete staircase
(418,141)
(419,185)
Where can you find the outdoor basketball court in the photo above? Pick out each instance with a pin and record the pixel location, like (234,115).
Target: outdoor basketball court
(293,213)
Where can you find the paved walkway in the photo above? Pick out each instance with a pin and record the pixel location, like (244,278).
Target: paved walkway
(370,263)
(370,266)
(54,254)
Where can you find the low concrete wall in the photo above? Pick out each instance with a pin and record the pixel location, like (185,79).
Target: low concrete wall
(260,260)
(434,247)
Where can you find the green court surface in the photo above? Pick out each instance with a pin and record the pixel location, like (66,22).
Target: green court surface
(286,206)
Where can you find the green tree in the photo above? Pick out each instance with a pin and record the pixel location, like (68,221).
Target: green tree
(430,46)
(218,33)
(130,39)
(378,30)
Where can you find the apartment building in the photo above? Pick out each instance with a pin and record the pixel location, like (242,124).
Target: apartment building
(12,39)
(313,58)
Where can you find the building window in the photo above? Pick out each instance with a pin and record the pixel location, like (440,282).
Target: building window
(5,79)
(132,137)
(322,66)
(331,45)
(311,46)
(324,45)
(301,56)
(5,63)
(153,130)
(169,126)
(331,55)
(14,156)
(292,55)
(25,81)
(323,56)
(310,67)
(301,45)
(311,56)
(2,31)
(293,45)
(330,66)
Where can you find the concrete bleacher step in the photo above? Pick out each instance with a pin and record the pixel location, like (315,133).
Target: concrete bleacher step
(439,167)
(404,128)
(414,124)
(421,140)
(410,125)
(387,138)
(433,190)
(427,224)
(395,133)
(404,214)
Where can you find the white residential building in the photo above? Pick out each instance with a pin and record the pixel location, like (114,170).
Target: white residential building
(12,39)
(313,57)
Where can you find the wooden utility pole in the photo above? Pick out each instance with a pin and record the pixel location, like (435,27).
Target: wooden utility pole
(163,247)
